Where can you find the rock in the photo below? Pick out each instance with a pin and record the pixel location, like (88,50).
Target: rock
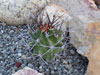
(84,30)
(93,54)
(27,71)
(87,42)
(92,4)
(83,8)
(15,12)
(94,59)
(19,54)
(82,12)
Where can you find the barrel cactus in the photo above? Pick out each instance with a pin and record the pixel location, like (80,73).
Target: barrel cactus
(47,42)
(47,37)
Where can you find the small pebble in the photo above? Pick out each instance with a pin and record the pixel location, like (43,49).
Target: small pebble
(30,65)
(52,72)
(23,56)
(11,31)
(2,31)
(19,54)
(65,62)
(1,57)
(0,73)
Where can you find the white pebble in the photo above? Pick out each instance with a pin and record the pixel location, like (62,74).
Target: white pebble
(19,54)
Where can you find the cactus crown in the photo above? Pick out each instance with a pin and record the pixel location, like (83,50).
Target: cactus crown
(47,40)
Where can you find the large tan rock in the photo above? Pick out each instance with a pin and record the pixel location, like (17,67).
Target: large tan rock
(85,16)
(93,54)
(19,11)
(94,59)
(87,41)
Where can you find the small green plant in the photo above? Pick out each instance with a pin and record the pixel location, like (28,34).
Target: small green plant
(47,41)
(48,44)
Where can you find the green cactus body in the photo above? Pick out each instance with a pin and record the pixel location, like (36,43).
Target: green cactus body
(47,44)
(47,39)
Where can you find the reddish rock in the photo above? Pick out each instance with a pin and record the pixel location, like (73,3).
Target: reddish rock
(18,64)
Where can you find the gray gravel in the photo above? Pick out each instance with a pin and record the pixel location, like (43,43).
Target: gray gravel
(14,47)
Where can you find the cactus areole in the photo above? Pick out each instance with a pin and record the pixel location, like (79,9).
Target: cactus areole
(47,41)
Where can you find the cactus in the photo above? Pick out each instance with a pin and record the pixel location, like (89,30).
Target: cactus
(47,43)
(47,39)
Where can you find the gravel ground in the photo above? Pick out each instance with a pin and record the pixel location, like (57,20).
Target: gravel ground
(14,47)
